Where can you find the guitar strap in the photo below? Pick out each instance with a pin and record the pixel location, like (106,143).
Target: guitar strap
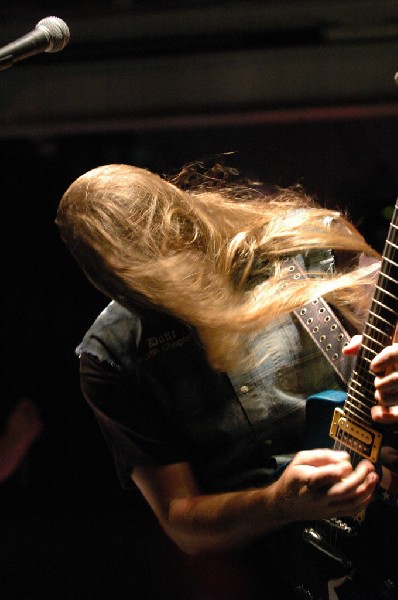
(324,327)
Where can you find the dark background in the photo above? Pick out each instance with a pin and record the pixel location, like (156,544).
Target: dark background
(68,531)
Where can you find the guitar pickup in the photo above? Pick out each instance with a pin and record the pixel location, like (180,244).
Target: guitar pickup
(363,440)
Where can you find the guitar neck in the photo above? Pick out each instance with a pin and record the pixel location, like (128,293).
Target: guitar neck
(378,332)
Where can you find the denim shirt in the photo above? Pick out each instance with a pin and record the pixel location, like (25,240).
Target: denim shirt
(170,406)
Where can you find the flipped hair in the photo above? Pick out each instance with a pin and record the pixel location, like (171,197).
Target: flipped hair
(210,255)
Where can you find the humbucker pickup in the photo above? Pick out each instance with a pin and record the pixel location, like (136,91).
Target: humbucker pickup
(363,440)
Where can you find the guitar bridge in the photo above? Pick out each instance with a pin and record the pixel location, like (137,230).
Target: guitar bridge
(343,527)
(364,441)
(313,537)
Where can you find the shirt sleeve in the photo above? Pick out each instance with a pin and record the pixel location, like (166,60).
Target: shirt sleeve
(132,423)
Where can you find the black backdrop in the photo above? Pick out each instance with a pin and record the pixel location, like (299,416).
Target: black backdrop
(68,530)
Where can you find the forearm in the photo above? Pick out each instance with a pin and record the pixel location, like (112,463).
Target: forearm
(224,522)
(200,522)
(317,484)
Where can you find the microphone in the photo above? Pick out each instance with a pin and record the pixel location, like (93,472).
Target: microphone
(50,35)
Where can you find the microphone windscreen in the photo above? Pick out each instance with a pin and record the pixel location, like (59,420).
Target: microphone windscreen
(57,32)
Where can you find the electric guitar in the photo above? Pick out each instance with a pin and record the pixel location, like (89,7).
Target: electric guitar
(356,558)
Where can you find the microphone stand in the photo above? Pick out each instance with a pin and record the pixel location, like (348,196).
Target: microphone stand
(6,62)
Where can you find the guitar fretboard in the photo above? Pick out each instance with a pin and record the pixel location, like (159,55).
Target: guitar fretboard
(378,333)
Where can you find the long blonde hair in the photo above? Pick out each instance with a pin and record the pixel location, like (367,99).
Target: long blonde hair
(201,254)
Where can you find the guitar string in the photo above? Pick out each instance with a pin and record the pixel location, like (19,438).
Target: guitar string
(362,376)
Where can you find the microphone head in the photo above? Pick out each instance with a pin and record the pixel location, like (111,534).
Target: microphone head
(56,31)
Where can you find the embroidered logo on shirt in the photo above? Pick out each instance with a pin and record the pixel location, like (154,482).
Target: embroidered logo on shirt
(165,342)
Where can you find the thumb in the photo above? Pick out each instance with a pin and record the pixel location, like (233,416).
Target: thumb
(353,346)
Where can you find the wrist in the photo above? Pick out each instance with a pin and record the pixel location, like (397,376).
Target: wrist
(277,506)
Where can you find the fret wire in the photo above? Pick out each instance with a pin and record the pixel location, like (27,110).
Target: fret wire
(360,416)
(389,243)
(384,275)
(392,235)
(365,358)
(389,268)
(389,260)
(389,257)
(373,339)
(362,388)
(380,296)
(384,306)
(386,291)
(382,335)
(391,293)
(362,394)
(377,305)
(355,397)
(359,394)
(376,316)
(365,380)
(393,224)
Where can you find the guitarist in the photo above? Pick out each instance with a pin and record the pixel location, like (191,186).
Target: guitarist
(198,372)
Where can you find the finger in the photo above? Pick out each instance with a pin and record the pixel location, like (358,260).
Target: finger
(388,357)
(328,475)
(320,456)
(356,497)
(387,384)
(385,414)
(353,346)
(352,508)
(358,482)
(386,400)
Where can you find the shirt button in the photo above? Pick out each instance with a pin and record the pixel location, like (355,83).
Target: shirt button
(244,389)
